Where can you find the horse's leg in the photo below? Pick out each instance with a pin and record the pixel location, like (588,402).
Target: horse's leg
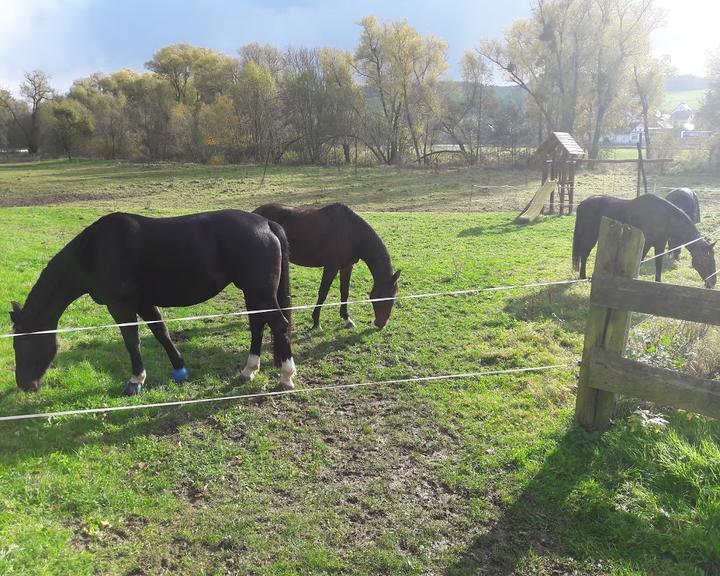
(280,327)
(282,349)
(345,274)
(257,325)
(659,249)
(583,264)
(124,313)
(327,280)
(160,331)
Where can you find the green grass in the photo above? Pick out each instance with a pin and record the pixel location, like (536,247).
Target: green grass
(693,98)
(472,476)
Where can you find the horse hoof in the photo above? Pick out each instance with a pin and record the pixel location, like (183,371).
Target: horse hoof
(316,327)
(132,388)
(248,376)
(180,374)
(350,324)
(285,386)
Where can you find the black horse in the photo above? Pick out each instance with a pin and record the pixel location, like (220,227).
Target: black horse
(335,238)
(133,264)
(688,202)
(658,219)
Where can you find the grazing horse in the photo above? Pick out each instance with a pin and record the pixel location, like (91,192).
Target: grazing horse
(133,264)
(688,202)
(335,238)
(658,219)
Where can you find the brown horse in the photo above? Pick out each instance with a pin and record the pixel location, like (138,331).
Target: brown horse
(335,238)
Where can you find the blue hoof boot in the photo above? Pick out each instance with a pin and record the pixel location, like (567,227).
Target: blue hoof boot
(180,374)
(132,388)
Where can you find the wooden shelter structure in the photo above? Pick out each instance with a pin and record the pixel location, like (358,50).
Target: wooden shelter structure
(560,156)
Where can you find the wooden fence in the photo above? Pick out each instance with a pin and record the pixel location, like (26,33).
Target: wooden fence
(615,295)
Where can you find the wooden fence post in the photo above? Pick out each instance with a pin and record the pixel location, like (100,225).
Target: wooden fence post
(618,254)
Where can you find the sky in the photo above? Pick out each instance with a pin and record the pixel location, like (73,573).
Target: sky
(70,39)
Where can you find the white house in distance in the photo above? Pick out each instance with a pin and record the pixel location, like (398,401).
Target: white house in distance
(681,119)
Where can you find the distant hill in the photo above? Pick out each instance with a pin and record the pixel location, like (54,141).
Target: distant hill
(686,82)
(686,89)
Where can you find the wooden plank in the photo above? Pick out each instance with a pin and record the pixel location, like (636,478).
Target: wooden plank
(569,143)
(618,254)
(679,302)
(613,373)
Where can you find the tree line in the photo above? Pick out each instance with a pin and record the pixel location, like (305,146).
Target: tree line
(581,66)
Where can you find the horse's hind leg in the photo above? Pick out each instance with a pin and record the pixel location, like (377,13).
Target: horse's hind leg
(345,274)
(159,329)
(122,314)
(328,276)
(659,249)
(252,367)
(282,349)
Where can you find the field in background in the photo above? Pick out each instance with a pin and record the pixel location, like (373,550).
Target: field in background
(693,98)
(191,187)
(471,476)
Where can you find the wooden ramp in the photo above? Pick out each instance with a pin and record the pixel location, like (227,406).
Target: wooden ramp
(536,205)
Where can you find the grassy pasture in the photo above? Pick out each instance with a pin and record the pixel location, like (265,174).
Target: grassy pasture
(471,476)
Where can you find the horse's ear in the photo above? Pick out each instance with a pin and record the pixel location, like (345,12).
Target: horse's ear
(394,278)
(15,312)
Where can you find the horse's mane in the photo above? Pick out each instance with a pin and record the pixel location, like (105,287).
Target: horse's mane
(374,251)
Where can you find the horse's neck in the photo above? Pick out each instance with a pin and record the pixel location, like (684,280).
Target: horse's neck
(56,288)
(374,254)
(682,229)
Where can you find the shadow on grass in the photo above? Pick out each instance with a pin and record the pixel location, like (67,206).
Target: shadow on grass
(570,513)
(27,439)
(558,303)
(506,228)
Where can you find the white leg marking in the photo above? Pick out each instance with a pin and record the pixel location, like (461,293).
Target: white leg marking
(140,378)
(349,323)
(286,373)
(252,367)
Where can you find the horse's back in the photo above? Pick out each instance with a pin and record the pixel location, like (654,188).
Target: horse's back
(174,261)
(687,201)
(317,236)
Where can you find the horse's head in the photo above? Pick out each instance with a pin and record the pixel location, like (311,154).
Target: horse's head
(703,260)
(384,289)
(33,354)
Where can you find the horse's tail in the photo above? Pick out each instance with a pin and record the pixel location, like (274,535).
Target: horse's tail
(283,291)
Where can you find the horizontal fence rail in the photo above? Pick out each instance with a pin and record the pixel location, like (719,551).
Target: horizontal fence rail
(666,300)
(613,373)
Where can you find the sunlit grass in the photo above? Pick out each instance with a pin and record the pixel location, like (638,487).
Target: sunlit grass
(484,475)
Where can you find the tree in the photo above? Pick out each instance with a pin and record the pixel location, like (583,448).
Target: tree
(255,95)
(463,116)
(73,122)
(36,90)
(573,60)
(709,113)
(650,75)
(401,69)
